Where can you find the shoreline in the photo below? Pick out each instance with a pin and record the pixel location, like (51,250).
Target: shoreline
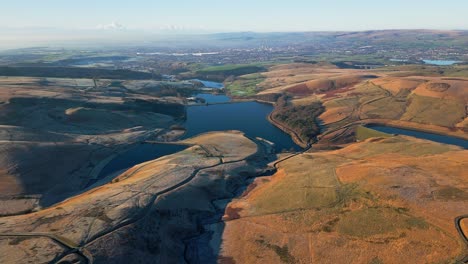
(293,134)
(407,125)
(418,127)
(421,128)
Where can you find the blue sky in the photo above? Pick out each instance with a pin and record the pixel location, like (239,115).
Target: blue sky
(237,15)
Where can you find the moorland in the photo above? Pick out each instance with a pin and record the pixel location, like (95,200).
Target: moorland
(343,193)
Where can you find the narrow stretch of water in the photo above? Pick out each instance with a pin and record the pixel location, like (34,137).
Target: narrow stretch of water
(441,62)
(210,84)
(423,135)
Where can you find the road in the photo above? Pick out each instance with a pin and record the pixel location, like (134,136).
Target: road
(462,234)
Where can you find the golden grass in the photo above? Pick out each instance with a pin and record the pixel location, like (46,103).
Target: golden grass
(430,110)
(395,85)
(378,221)
(385,201)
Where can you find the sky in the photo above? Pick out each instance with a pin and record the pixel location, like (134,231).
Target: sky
(238,15)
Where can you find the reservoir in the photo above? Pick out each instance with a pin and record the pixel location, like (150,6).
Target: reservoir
(210,84)
(441,62)
(423,135)
(248,117)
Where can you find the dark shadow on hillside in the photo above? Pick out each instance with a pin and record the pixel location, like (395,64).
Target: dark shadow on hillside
(205,247)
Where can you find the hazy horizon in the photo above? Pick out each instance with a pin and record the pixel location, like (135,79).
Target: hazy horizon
(242,15)
(26,23)
(51,37)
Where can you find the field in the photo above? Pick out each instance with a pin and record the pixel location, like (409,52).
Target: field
(427,110)
(424,95)
(235,70)
(363,133)
(222,72)
(246,85)
(375,197)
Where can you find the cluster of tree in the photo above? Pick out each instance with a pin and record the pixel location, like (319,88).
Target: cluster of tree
(172,91)
(270,97)
(300,118)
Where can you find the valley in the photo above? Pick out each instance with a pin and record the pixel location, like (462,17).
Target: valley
(287,160)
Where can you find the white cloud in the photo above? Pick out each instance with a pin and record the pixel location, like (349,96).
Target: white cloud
(111,26)
(179,29)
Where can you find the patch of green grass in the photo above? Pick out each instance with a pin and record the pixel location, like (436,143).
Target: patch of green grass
(253,76)
(363,133)
(245,86)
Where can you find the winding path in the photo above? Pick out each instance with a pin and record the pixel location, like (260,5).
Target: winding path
(462,234)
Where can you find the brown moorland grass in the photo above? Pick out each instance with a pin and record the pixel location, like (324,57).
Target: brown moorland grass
(415,96)
(430,110)
(395,85)
(383,202)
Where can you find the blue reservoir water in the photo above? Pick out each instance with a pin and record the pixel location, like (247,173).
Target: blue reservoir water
(248,117)
(423,135)
(210,84)
(441,62)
